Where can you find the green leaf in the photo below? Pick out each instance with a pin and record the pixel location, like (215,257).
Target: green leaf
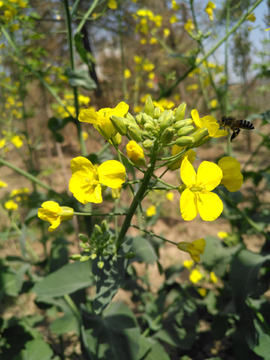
(8,284)
(20,275)
(66,280)
(157,352)
(263,347)
(80,78)
(85,56)
(114,336)
(110,277)
(59,254)
(22,240)
(32,214)
(36,349)
(216,257)
(144,251)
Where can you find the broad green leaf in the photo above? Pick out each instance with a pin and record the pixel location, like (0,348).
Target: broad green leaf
(241,350)
(36,349)
(81,78)
(110,277)
(7,282)
(20,275)
(157,352)
(59,254)
(216,257)
(114,336)
(66,280)
(144,251)
(263,347)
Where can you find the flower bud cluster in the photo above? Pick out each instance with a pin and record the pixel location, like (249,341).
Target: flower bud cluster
(100,244)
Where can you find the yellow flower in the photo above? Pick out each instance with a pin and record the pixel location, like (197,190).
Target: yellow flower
(165,103)
(170,196)
(232,177)
(195,248)
(85,135)
(150,84)
(192,87)
(251,17)
(195,276)
(151,75)
(153,40)
(101,119)
(213,277)
(127,74)
(157,20)
(222,234)
(197,197)
(202,291)
(188,264)
(267,28)
(83,99)
(148,66)
(135,153)
(116,193)
(10,205)
(3,184)
(16,141)
(54,213)
(151,211)
(209,10)
(143,41)
(2,143)
(14,27)
(112,4)
(176,150)
(166,32)
(138,59)
(87,180)
(175,6)
(173,19)
(213,103)
(209,122)
(189,26)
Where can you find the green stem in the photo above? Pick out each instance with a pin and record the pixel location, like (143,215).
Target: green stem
(28,176)
(75,89)
(120,33)
(226,105)
(168,91)
(153,234)
(84,19)
(72,305)
(138,197)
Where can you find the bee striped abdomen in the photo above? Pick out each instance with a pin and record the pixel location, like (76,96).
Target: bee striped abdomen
(243,124)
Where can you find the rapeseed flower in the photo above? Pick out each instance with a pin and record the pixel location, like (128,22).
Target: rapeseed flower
(209,10)
(101,119)
(135,153)
(222,234)
(10,205)
(3,184)
(195,276)
(202,291)
(176,150)
(195,248)
(188,264)
(54,213)
(151,211)
(197,196)
(232,177)
(189,26)
(209,122)
(213,277)
(88,180)
(251,17)
(170,196)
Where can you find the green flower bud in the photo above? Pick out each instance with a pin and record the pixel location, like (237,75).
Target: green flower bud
(181,123)
(134,133)
(167,121)
(84,258)
(83,245)
(75,257)
(180,112)
(148,144)
(100,264)
(149,127)
(147,119)
(119,124)
(167,136)
(202,142)
(185,141)
(149,106)
(200,134)
(104,226)
(131,118)
(83,238)
(157,113)
(185,130)
(93,256)
(106,235)
(87,250)
(130,255)
(139,119)
(97,230)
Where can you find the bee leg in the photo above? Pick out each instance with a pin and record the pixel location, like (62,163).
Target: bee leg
(235,133)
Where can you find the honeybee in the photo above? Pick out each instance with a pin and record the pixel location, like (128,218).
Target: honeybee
(235,125)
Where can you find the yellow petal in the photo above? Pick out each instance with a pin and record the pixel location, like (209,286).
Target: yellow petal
(89,116)
(188,205)
(209,175)
(112,173)
(210,206)
(55,224)
(232,184)
(199,245)
(82,165)
(220,133)
(187,172)
(228,164)
(51,206)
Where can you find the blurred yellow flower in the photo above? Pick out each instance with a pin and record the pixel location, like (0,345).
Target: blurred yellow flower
(209,10)
(10,205)
(166,32)
(143,41)
(192,87)
(251,17)
(85,135)
(148,66)
(202,291)
(54,213)
(194,248)
(153,41)
(173,19)
(213,277)
(232,178)
(197,197)
(213,103)
(88,181)
(138,59)
(222,234)
(188,264)
(17,141)
(151,211)
(175,6)
(127,73)
(2,143)
(189,26)
(170,196)
(195,276)
(112,4)
(3,184)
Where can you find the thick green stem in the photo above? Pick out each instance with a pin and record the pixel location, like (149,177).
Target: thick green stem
(226,105)
(138,197)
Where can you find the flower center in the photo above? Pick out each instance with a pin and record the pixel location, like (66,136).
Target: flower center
(197,188)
